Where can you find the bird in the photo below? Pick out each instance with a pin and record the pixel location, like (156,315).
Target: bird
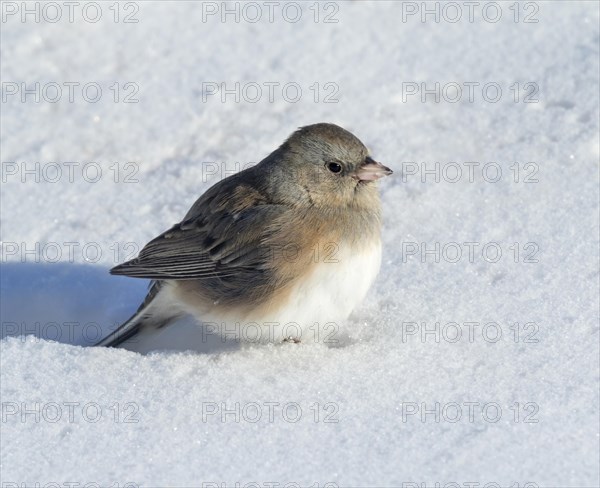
(273,253)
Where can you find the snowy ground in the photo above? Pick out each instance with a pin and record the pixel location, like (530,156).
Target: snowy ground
(388,404)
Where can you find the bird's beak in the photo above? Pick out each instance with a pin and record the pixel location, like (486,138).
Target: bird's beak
(371,170)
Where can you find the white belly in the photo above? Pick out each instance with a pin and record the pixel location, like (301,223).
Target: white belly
(327,297)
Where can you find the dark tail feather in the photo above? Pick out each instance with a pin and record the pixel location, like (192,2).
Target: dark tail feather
(125,331)
(133,324)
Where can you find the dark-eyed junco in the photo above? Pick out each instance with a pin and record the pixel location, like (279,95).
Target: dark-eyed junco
(276,251)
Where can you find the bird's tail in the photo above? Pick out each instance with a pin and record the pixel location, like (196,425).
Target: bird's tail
(125,331)
(146,315)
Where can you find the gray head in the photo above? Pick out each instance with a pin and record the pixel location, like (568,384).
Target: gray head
(331,164)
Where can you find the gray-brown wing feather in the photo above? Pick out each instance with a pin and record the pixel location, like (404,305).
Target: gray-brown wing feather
(215,243)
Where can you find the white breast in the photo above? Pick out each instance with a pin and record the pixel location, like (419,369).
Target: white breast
(328,295)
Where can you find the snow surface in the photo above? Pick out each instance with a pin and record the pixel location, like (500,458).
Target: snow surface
(371,381)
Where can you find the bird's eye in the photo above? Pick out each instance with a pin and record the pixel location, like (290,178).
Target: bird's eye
(334,167)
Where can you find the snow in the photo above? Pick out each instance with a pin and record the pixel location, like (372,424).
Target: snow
(187,414)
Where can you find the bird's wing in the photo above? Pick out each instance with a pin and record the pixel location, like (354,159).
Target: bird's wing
(223,234)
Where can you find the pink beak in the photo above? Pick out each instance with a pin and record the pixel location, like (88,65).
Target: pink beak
(371,170)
